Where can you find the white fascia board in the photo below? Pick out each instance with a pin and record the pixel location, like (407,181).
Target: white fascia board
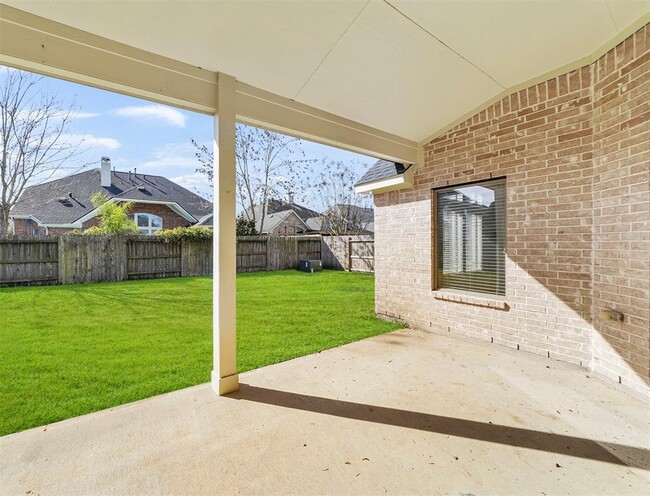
(26,216)
(383,185)
(267,110)
(172,205)
(74,225)
(299,219)
(47,47)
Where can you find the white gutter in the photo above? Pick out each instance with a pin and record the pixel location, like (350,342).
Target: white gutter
(401,181)
(26,216)
(78,224)
(172,205)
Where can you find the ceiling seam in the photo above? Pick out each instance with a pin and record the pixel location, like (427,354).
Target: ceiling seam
(442,43)
(331,50)
(611,16)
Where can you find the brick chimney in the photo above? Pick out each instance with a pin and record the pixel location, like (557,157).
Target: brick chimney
(106,172)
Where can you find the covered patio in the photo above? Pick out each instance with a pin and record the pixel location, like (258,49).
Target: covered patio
(421,85)
(408,412)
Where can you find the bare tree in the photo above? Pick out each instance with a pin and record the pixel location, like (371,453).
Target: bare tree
(343,211)
(32,136)
(268,165)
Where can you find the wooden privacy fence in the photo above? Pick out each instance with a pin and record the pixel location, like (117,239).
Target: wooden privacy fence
(70,259)
(29,260)
(353,253)
(82,259)
(361,255)
(255,253)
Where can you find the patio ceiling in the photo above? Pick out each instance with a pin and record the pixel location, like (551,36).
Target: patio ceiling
(406,67)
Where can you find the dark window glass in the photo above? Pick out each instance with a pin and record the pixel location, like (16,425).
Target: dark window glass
(470,225)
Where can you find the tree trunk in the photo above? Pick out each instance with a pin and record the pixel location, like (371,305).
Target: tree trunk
(4,223)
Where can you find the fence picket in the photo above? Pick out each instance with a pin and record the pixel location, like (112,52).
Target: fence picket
(70,259)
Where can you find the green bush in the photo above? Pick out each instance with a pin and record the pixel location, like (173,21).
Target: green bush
(245,227)
(185,233)
(113,217)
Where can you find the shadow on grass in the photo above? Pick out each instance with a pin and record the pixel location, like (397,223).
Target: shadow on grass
(501,434)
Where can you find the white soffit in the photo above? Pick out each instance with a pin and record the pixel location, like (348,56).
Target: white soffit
(273,45)
(517,40)
(390,74)
(408,67)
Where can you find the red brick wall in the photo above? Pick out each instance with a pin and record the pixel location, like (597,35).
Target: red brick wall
(170,218)
(622,208)
(570,151)
(26,227)
(20,227)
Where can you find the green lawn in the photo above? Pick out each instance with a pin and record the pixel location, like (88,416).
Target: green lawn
(70,350)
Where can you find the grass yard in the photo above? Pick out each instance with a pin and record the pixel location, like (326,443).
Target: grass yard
(70,350)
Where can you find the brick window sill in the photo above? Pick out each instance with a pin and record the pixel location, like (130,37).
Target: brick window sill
(474,299)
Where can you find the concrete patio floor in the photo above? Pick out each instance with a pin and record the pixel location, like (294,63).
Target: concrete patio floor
(404,413)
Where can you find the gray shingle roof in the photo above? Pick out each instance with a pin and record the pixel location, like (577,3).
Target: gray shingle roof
(276,206)
(382,169)
(206,221)
(43,201)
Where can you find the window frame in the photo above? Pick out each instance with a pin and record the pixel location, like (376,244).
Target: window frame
(150,229)
(435,249)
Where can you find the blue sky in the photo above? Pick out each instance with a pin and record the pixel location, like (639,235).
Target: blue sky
(153,138)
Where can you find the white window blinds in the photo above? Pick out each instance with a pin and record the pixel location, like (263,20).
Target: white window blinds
(471,237)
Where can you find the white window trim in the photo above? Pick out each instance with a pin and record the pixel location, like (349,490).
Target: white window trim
(149,230)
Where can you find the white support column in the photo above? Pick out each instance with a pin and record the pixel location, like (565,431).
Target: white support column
(224,373)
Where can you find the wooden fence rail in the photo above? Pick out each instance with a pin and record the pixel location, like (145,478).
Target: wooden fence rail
(70,259)
(28,261)
(353,253)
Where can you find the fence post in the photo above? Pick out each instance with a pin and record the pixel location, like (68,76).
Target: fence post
(268,254)
(349,254)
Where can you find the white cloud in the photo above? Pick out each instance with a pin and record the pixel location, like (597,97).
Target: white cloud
(91,141)
(195,182)
(60,114)
(175,156)
(84,115)
(153,112)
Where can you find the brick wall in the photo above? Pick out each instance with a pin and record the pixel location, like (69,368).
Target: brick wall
(21,228)
(27,227)
(170,218)
(574,150)
(621,125)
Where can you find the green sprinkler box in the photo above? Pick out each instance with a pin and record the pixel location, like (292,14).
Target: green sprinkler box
(310,265)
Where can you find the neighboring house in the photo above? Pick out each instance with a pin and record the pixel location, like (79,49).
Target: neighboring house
(286,218)
(343,220)
(205,221)
(282,217)
(351,219)
(63,205)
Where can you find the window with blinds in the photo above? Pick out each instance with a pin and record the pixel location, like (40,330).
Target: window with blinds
(470,237)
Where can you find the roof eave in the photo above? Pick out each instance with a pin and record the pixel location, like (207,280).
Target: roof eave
(174,206)
(393,183)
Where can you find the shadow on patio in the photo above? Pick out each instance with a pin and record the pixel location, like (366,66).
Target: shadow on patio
(470,429)
(407,412)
